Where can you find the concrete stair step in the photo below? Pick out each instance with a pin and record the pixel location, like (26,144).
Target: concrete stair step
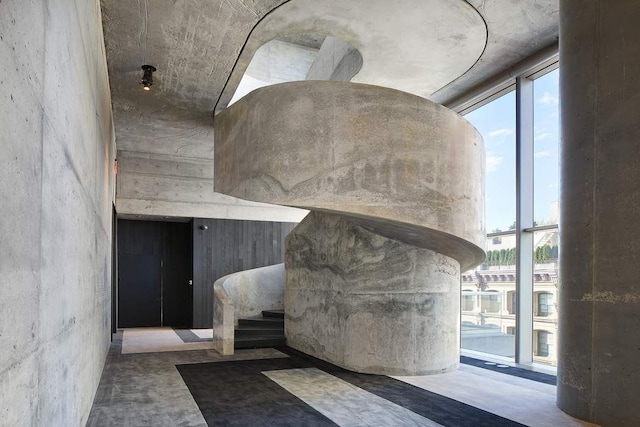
(260,342)
(273,314)
(267,322)
(248,331)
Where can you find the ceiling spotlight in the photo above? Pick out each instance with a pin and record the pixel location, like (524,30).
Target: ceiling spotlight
(147,77)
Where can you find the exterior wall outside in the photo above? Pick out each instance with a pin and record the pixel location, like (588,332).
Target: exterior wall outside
(57,187)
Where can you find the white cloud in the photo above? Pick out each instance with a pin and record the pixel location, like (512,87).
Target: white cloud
(500,132)
(493,162)
(548,99)
(542,154)
(542,133)
(552,186)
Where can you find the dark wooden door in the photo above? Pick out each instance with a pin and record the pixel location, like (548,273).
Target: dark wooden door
(154,269)
(140,291)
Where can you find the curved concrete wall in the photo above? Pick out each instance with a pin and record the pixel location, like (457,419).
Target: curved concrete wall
(409,168)
(369,303)
(244,294)
(395,184)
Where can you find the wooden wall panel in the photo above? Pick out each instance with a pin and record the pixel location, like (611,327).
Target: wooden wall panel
(229,246)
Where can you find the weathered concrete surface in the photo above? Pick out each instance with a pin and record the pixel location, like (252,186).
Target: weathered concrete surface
(177,186)
(276,61)
(56,186)
(368,303)
(417,46)
(375,288)
(406,167)
(223,322)
(244,294)
(515,31)
(193,47)
(598,375)
(197,45)
(336,60)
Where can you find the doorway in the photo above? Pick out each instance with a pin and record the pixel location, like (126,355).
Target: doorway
(154,274)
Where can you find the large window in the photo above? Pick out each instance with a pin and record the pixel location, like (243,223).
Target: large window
(517,286)
(496,122)
(545,206)
(487,329)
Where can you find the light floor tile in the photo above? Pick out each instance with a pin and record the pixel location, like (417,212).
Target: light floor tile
(344,403)
(154,340)
(203,333)
(518,399)
(146,389)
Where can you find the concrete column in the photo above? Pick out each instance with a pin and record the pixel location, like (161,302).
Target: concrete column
(599,351)
(369,303)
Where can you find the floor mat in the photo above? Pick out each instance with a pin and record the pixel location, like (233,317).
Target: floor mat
(510,370)
(239,393)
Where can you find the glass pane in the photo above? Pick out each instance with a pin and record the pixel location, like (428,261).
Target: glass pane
(489,301)
(496,122)
(546,191)
(488,293)
(546,137)
(545,296)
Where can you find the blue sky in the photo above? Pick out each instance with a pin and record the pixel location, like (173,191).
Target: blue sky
(496,122)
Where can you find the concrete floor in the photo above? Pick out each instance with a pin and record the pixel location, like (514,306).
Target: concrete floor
(143,386)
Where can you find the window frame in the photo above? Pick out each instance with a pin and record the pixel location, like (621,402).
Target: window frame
(521,80)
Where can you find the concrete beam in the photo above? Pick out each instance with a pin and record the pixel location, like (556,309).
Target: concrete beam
(170,186)
(336,60)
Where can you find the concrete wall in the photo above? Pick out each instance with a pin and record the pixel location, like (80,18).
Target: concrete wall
(182,186)
(56,187)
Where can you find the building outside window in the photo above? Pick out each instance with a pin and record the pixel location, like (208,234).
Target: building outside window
(543,343)
(545,304)
(490,302)
(468,300)
(512,302)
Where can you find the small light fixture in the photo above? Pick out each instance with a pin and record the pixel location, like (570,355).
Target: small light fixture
(147,77)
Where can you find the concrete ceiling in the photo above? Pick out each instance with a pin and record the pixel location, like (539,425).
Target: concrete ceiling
(416,46)
(196,44)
